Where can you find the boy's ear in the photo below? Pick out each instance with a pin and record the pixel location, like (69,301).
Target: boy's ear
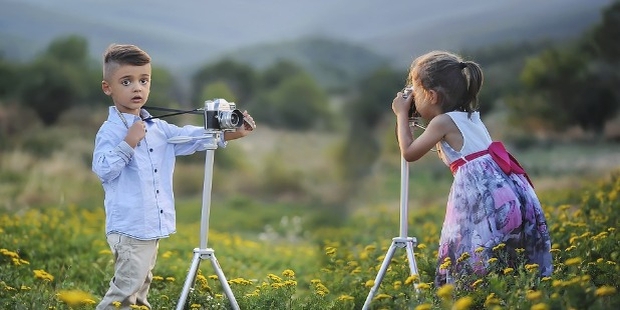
(106,88)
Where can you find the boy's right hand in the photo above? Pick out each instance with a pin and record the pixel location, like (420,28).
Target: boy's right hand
(136,132)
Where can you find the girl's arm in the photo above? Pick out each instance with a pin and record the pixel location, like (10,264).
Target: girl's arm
(413,149)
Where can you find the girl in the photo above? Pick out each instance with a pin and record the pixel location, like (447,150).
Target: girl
(491,201)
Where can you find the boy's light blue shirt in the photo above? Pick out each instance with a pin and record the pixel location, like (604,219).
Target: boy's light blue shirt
(137,183)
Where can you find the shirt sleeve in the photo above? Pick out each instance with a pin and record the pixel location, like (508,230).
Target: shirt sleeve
(201,140)
(110,156)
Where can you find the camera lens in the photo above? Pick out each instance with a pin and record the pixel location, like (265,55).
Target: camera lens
(230,119)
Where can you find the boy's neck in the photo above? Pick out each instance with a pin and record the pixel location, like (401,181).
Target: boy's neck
(122,109)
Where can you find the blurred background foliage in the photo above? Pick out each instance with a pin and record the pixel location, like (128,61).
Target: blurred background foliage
(535,93)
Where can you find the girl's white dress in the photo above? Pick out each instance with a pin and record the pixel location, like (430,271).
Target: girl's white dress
(487,207)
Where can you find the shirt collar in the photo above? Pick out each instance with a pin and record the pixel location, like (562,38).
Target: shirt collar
(113,116)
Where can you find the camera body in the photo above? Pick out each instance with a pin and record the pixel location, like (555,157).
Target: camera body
(408,91)
(222,115)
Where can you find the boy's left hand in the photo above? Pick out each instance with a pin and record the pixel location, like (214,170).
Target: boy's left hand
(248,124)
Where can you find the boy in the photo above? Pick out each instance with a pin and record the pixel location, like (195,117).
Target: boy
(135,164)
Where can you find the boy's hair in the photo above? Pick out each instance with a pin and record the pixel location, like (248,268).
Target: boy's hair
(123,54)
(458,82)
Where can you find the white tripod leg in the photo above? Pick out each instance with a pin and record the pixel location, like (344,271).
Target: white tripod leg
(380,275)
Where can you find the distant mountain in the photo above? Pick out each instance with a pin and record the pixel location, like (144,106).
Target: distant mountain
(184,34)
(332,62)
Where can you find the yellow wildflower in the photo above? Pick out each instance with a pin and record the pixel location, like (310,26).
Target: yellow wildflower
(533,295)
(397,284)
(8,253)
(605,290)
(446,264)
(330,251)
(345,297)
(274,278)
(463,303)
(288,273)
(491,300)
(43,275)
(74,298)
(531,267)
(463,257)
(499,247)
(476,283)
(540,306)
(411,279)
(424,307)
(445,292)
(382,296)
(573,261)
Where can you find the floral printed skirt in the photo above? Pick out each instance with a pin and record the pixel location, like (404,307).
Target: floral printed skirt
(488,211)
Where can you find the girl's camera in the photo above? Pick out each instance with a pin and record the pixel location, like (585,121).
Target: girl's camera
(407,91)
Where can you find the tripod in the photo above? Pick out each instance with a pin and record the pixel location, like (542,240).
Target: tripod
(402,241)
(203,252)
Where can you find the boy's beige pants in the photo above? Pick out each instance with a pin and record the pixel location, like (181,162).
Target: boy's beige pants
(134,261)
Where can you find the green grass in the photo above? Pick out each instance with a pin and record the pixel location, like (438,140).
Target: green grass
(280,210)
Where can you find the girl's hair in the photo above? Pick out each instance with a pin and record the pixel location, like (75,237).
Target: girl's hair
(123,54)
(457,82)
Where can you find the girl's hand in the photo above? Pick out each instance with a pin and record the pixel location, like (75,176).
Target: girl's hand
(400,104)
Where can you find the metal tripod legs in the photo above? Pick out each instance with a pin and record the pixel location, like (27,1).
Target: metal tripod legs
(200,254)
(399,242)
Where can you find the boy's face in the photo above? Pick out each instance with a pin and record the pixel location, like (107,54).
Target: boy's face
(129,87)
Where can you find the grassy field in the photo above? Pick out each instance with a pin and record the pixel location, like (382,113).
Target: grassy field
(284,236)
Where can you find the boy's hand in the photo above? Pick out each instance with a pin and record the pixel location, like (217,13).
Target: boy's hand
(248,124)
(136,132)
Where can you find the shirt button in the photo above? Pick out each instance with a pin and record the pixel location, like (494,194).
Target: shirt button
(161,211)
(151,150)
(155,170)
(157,191)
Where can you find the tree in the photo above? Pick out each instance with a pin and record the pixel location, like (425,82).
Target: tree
(8,75)
(240,78)
(279,72)
(296,103)
(50,87)
(577,83)
(57,79)
(163,89)
(365,112)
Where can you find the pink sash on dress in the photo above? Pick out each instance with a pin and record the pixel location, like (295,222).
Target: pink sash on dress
(498,152)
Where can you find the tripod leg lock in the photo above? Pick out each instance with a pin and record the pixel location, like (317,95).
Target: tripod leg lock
(401,242)
(204,253)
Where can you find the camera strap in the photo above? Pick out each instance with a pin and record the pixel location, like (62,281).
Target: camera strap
(174,112)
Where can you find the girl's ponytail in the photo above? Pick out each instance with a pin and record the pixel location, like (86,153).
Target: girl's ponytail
(474,79)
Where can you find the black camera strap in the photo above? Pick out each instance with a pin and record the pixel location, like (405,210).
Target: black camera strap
(174,112)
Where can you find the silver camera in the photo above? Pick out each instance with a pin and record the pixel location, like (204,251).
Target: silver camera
(222,115)
(407,91)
